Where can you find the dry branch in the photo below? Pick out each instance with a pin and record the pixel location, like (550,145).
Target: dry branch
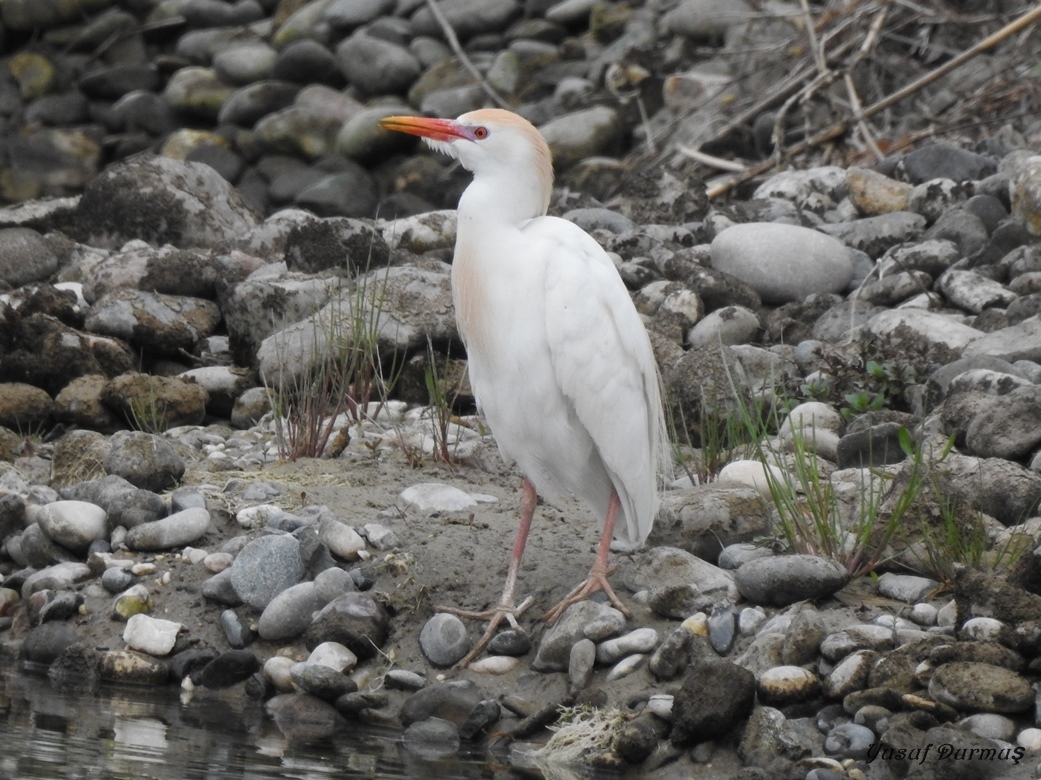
(453,42)
(858,115)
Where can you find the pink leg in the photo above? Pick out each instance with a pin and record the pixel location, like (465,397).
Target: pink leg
(597,579)
(506,610)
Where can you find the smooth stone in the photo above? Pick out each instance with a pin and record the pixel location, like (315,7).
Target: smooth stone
(443,639)
(235,629)
(906,587)
(642,640)
(341,539)
(785,579)
(784,685)
(72,524)
(289,613)
(322,681)
(265,567)
(177,530)
(580,664)
(782,262)
(154,636)
(432,738)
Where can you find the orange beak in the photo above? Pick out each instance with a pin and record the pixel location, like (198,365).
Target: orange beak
(436,129)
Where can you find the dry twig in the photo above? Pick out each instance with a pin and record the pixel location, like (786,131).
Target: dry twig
(453,42)
(858,115)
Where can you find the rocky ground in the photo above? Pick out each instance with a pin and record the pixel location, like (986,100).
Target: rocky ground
(853,347)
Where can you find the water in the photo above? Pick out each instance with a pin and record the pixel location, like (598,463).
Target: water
(144,733)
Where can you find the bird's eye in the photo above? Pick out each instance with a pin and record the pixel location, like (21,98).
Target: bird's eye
(480,133)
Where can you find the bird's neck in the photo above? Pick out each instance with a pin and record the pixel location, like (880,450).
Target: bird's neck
(496,200)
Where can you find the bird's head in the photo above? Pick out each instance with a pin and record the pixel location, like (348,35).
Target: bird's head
(489,142)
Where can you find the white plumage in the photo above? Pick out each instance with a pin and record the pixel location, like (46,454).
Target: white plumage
(558,357)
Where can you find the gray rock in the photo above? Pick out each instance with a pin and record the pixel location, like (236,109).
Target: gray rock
(404,680)
(304,718)
(444,640)
(980,687)
(161,201)
(179,529)
(974,292)
(672,655)
(704,19)
(704,519)
(431,738)
(580,664)
(116,580)
(249,104)
(307,62)
(642,640)
(849,740)
(245,63)
(59,577)
(265,567)
(850,674)
(414,303)
(355,620)
(906,587)
(125,504)
(25,257)
(72,524)
(729,325)
(322,681)
(143,459)
(228,669)
(166,323)
(452,701)
(554,653)
(586,133)
(289,613)
(375,66)
(936,161)
(875,235)
(348,14)
(782,262)
(467,17)
(1016,342)
(716,696)
(786,579)
(940,336)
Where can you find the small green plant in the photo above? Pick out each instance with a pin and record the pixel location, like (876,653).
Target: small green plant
(720,439)
(147,411)
(345,375)
(856,381)
(955,536)
(811,518)
(440,406)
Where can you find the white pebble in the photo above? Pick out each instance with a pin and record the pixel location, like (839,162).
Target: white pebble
(334,655)
(625,667)
(151,635)
(1030,739)
(495,664)
(276,672)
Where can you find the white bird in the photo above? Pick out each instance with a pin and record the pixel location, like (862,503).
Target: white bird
(558,357)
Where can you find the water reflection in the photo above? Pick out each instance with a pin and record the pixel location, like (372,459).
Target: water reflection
(143,733)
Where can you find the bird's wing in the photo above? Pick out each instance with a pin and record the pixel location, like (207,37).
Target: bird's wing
(604,364)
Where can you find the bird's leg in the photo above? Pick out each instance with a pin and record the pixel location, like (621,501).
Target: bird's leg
(506,610)
(597,578)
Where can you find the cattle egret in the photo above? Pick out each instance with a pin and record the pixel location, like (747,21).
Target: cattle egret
(559,360)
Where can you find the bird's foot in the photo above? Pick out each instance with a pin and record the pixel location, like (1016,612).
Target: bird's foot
(596,581)
(505,611)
